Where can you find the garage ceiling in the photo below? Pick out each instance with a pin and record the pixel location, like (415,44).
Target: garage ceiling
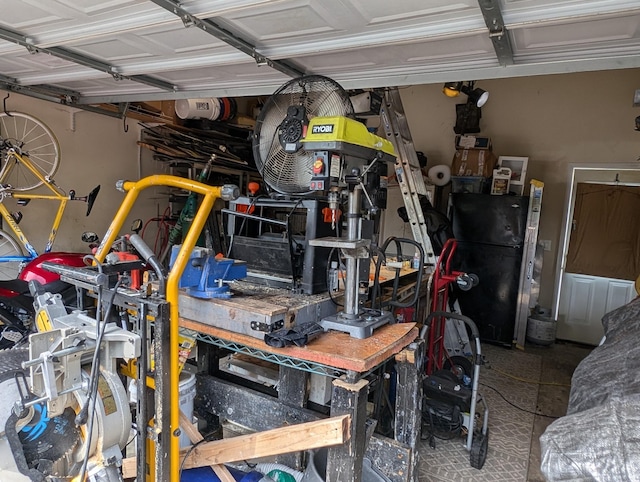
(113,51)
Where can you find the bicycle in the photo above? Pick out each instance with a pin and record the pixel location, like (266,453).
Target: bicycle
(29,157)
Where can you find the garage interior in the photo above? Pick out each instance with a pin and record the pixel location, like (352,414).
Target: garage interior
(124,85)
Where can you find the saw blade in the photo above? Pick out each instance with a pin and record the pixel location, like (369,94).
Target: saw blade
(46,438)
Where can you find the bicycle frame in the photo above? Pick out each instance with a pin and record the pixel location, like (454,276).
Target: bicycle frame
(56,195)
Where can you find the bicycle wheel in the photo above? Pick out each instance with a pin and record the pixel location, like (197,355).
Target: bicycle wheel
(9,247)
(30,138)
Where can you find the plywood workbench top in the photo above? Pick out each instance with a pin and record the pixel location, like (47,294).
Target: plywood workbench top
(332,348)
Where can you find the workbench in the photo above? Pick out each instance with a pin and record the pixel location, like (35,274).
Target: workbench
(348,361)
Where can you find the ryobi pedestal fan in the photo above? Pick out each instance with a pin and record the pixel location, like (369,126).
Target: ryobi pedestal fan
(280,158)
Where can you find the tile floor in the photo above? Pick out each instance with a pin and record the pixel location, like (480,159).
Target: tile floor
(513,401)
(558,363)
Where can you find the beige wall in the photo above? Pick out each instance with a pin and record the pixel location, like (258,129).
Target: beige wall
(94,149)
(554,120)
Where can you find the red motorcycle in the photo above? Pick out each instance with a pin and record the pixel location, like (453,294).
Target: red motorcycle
(16,301)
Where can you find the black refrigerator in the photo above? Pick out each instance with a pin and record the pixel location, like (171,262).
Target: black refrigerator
(491,232)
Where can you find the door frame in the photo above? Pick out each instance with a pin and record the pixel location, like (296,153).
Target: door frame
(604,173)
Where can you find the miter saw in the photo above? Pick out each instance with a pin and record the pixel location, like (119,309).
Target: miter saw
(65,410)
(314,155)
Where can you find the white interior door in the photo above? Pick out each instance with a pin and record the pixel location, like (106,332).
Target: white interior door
(591,278)
(584,301)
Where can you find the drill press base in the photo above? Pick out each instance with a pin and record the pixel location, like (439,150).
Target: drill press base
(360,326)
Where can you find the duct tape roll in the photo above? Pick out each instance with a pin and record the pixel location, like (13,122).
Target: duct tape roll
(440,175)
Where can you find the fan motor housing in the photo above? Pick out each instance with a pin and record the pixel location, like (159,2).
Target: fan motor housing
(293,129)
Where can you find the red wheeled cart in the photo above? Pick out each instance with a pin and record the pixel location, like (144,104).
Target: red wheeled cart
(442,279)
(451,383)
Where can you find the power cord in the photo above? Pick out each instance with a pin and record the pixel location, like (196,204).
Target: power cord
(525,380)
(88,410)
(516,406)
(164,225)
(191,449)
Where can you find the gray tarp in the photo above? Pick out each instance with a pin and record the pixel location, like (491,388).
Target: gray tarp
(599,438)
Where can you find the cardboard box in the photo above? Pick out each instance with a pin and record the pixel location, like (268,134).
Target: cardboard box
(473,162)
(473,142)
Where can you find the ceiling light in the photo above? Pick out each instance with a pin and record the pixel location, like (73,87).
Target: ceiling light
(476,96)
(479,96)
(452,89)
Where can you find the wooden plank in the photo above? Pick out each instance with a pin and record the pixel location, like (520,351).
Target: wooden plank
(129,467)
(397,461)
(332,348)
(249,303)
(303,436)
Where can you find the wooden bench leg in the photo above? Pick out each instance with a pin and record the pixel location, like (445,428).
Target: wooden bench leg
(408,420)
(293,391)
(344,463)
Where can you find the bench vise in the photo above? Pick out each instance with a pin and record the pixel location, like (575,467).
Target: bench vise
(207,275)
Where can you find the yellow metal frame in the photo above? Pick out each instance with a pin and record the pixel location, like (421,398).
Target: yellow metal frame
(57,195)
(210,195)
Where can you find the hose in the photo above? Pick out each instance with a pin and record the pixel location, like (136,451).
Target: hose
(266,468)
(150,257)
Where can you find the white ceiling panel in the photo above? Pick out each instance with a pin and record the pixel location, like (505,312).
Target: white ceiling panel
(128,50)
(611,32)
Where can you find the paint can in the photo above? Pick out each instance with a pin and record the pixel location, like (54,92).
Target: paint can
(186,396)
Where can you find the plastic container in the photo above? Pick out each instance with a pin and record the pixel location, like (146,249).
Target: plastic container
(416,262)
(187,393)
(198,108)
(541,328)
(212,108)
(405,315)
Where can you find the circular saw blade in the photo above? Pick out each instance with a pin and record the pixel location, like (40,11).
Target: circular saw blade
(45,440)
(49,439)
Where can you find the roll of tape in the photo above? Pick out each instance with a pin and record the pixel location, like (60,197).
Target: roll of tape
(440,175)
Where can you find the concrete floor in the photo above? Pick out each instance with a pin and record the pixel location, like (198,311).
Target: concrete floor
(558,363)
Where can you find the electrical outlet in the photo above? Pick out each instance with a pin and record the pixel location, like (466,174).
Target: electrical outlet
(546,244)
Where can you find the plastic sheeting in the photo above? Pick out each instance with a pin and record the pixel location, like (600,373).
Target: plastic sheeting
(599,438)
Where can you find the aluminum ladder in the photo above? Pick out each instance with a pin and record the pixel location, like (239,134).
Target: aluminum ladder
(529,279)
(407,168)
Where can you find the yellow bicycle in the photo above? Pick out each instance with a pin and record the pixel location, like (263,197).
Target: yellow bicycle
(29,156)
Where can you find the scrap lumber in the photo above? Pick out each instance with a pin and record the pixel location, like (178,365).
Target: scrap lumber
(293,438)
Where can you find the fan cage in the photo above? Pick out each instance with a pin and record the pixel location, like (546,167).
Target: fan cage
(290,173)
